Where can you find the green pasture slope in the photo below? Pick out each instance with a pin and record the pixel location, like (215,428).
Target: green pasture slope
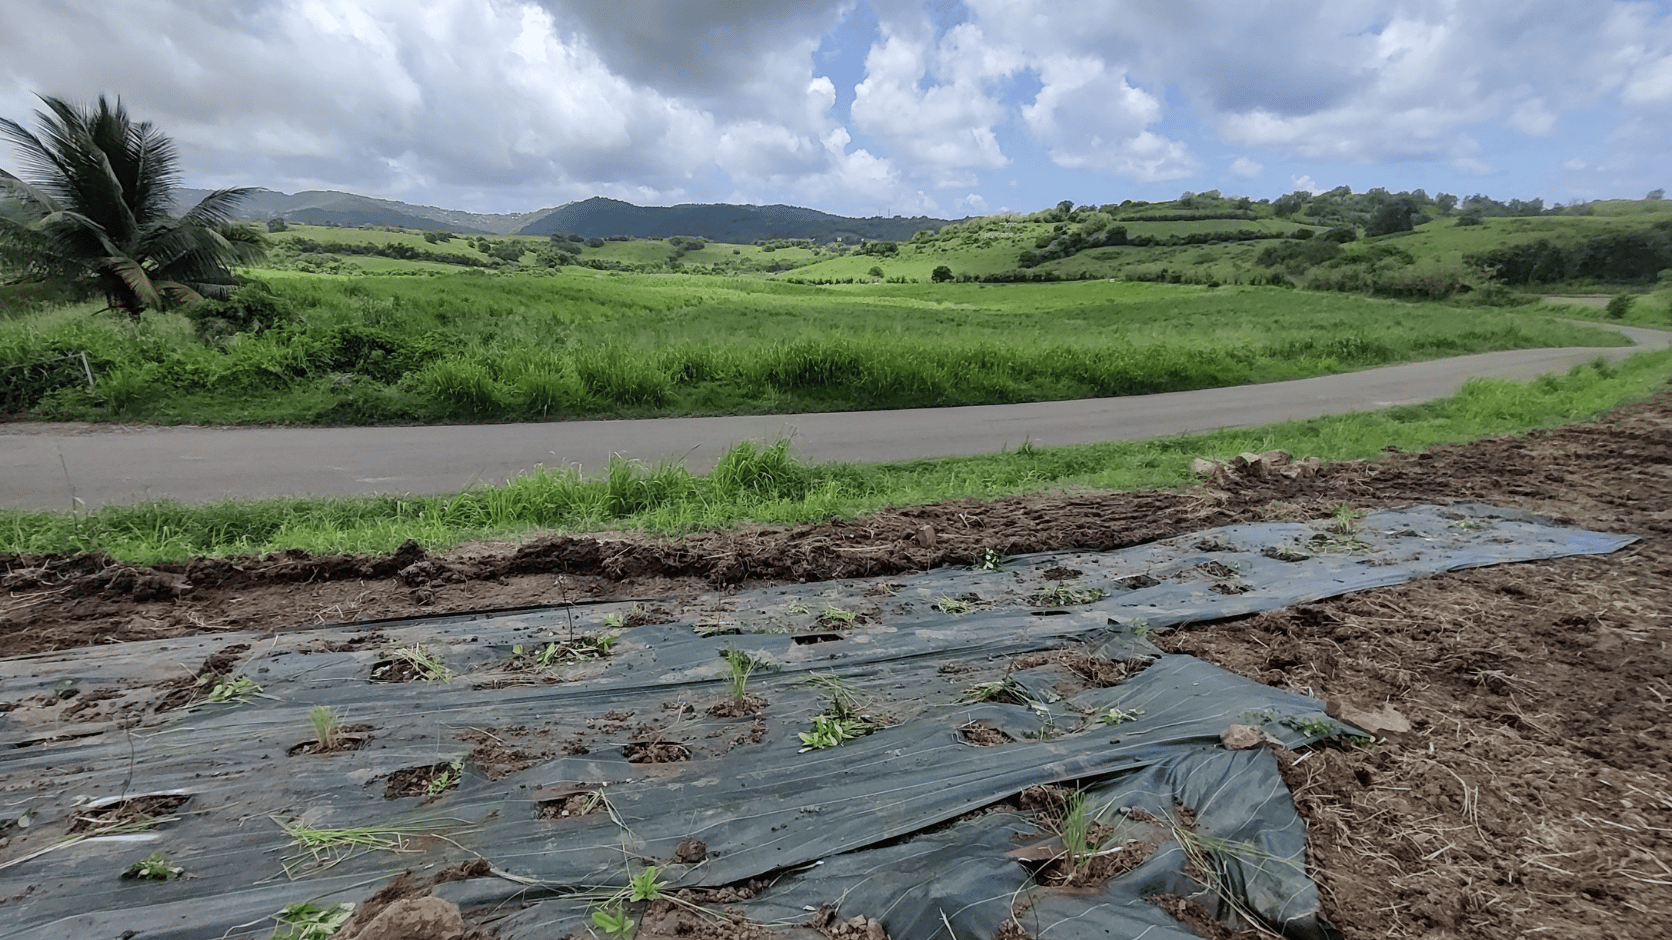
(475,346)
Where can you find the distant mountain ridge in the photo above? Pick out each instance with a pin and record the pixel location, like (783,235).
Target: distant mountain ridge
(722,222)
(597,217)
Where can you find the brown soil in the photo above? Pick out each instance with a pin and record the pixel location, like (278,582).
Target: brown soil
(570,805)
(745,707)
(655,752)
(417,781)
(983,734)
(404,910)
(1532,795)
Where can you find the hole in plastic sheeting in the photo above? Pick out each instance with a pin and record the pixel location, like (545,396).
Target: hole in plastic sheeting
(572,804)
(655,752)
(805,639)
(134,814)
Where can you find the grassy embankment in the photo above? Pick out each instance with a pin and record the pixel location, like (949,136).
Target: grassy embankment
(507,347)
(767,485)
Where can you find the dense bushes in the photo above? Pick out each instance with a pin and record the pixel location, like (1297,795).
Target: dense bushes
(1623,257)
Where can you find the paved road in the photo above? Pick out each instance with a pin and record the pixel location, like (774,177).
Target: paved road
(42,465)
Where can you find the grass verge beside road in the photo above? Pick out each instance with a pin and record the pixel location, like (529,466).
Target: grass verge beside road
(766,485)
(756,484)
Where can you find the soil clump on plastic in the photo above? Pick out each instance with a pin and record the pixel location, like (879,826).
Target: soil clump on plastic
(1529,792)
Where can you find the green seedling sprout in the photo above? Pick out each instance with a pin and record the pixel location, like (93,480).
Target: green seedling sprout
(1075,831)
(989,560)
(447,779)
(829,732)
(429,667)
(612,919)
(958,606)
(307,921)
(615,621)
(153,867)
(238,690)
(327,732)
(742,666)
(1344,520)
(1119,716)
(999,690)
(837,613)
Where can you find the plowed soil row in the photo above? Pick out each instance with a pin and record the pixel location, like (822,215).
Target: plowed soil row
(1533,795)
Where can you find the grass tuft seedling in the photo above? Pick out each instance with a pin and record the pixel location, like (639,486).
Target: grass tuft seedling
(742,666)
(999,690)
(327,730)
(958,606)
(239,690)
(1061,595)
(838,614)
(327,847)
(1075,830)
(153,867)
(306,921)
(426,664)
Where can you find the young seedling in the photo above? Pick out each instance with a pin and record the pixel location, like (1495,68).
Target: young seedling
(1075,830)
(958,606)
(426,664)
(238,690)
(742,666)
(447,779)
(615,621)
(611,916)
(999,690)
(1344,520)
(1119,716)
(612,919)
(837,614)
(307,921)
(990,559)
(327,731)
(153,867)
(829,732)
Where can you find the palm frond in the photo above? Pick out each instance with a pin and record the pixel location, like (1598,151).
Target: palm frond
(102,186)
(25,194)
(217,207)
(140,294)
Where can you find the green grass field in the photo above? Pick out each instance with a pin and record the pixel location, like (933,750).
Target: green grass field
(479,346)
(766,485)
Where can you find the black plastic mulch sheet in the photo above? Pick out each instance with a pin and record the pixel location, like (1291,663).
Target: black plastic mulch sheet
(980,686)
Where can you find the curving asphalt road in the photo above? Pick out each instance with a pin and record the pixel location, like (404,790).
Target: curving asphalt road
(55,466)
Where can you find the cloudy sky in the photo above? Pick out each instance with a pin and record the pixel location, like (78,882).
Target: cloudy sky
(949,107)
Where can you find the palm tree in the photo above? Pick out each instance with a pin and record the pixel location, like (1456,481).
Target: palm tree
(94,204)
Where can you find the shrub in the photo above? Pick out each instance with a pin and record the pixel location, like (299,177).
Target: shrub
(1618,306)
(941,274)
